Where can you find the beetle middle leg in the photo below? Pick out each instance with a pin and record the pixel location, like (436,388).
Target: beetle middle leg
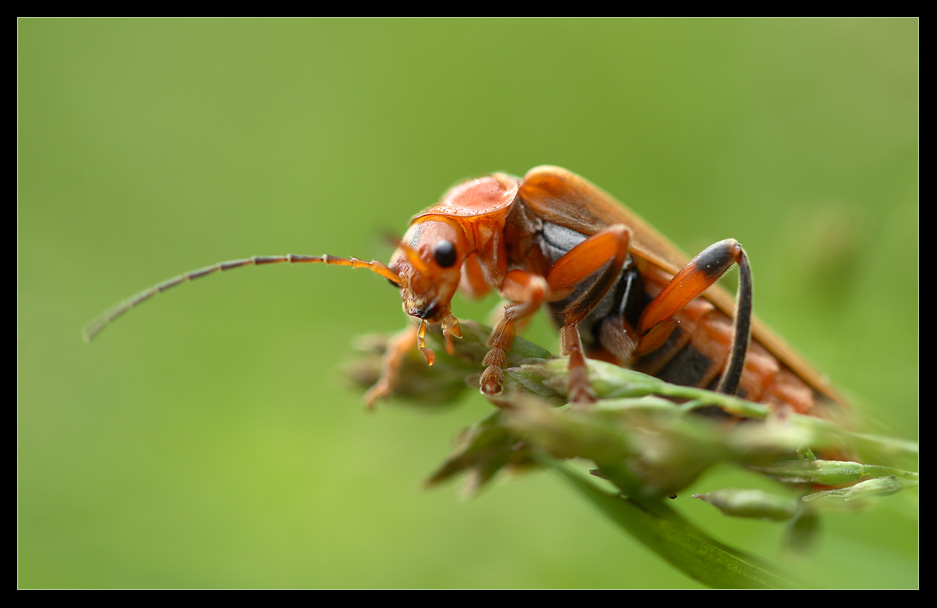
(527,291)
(608,248)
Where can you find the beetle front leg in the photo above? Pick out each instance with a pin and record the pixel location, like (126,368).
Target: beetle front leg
(526,291)
(397,348)
(702,271)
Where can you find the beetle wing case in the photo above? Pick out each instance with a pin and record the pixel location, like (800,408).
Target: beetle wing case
(561,197)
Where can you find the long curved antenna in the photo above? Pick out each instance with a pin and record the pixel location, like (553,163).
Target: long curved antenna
(94,328)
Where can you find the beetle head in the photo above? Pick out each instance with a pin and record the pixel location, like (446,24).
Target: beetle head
(428,263)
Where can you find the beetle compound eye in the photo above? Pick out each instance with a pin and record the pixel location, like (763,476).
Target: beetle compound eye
(444,254)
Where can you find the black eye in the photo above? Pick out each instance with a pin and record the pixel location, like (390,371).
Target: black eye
(444,254)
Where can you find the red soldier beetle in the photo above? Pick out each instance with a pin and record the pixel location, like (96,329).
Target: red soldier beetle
(616,288)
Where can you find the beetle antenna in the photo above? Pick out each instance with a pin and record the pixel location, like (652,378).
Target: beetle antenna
(106,319)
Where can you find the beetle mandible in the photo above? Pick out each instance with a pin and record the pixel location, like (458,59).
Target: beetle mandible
(616,289)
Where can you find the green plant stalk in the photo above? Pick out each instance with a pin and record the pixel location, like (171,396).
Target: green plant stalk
(683,545)
(644,437)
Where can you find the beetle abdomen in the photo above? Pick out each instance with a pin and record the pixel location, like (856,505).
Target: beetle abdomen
(696,352)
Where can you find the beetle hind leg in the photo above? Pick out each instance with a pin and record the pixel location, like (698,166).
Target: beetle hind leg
(657,321)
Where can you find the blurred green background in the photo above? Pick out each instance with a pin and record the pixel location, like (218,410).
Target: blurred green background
(209,438)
